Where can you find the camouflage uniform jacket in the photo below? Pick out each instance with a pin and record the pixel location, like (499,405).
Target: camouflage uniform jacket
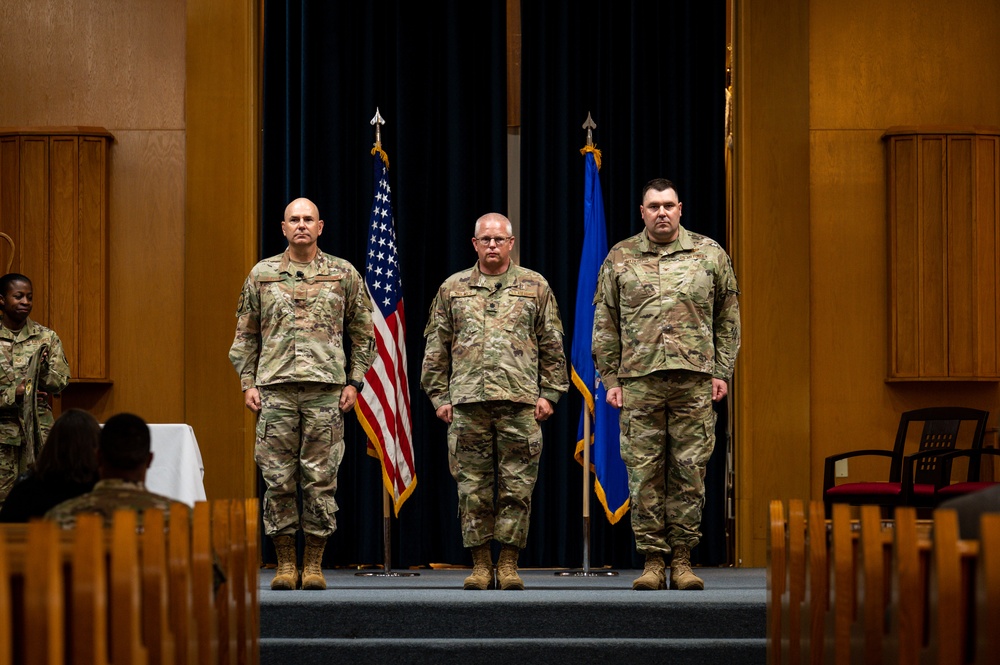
(16,349)
(488,342)
(107,497)
(291,329)
(666,307)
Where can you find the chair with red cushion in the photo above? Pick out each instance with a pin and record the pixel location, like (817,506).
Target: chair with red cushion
(940,434)
(945,488)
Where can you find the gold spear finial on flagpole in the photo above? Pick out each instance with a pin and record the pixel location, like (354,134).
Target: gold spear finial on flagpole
(378,121)
(589,125)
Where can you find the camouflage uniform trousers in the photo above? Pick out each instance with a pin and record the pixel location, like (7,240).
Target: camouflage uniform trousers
(667,437)
(13,461)
(300,441)
(482,434)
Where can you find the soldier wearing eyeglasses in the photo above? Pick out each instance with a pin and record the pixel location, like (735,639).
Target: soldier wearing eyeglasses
(493,368)
(666,335)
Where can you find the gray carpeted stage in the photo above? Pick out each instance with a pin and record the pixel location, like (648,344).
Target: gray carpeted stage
(431,619)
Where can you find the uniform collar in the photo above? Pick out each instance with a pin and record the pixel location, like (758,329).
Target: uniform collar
(477,278)
(682,242)
(318,266)
(119,484)
(27,330)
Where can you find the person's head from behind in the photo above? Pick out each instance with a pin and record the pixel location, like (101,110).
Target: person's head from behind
(124,451)
(70,451)
(16,300)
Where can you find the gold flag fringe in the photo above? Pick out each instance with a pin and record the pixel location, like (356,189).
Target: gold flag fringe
(584,150)
(385,157)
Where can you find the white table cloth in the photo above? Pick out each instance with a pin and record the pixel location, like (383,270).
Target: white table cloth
(177,470)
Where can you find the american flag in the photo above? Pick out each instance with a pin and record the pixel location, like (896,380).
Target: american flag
(383,407)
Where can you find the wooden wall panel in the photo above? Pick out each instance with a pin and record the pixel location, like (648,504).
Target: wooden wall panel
(933,275)
(987,248)
(223,168)
(93,318)
(904,243)
(874,65)
(59,301)
(771,256)
(10,194)
(849,298)
(961,243)
(33,233)
(105,63)
(147,275)
(118,65)
(879,63)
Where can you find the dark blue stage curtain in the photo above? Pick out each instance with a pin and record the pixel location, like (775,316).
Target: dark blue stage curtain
(651,73)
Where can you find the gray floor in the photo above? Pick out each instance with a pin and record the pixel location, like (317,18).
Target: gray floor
(430,619)
(723,584)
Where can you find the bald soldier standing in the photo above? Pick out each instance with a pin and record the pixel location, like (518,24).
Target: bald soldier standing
(292,315)
(494,366)
(666,335)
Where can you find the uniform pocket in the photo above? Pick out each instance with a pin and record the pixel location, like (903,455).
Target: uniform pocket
(535,445)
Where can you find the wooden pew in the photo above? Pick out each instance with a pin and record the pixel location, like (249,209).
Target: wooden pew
(156,633)
(126,625)
(6,616)
(207,615)
(903,591)
(795,586)
(988,591)
(43,604)
(89,594)
(225,598)
(251,534)
(154,595)
(775,581)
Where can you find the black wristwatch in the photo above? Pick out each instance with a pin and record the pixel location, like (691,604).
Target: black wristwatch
(357,385)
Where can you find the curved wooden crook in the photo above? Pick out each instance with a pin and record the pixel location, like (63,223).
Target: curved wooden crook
(10,260)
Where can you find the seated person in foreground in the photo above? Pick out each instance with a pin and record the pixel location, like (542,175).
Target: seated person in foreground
(66,468)
(123,456)
(970,509)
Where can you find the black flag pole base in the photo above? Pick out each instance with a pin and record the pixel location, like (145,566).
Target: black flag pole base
(586,571)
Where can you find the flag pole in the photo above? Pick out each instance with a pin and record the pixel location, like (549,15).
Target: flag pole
(386,571)
(589,125)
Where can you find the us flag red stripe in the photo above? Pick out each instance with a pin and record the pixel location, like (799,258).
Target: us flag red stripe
(383,407)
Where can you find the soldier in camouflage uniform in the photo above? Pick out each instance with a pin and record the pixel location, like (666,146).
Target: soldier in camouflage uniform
(20,339)
(123,457)
(666,335)
(291,319)
(493,368)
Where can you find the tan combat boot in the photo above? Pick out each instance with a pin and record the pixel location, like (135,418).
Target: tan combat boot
(507,569)
(287,575)
(482,569)
(653,578)
(681,576)
(312,563)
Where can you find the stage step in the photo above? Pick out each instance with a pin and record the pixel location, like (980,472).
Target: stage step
(430,619)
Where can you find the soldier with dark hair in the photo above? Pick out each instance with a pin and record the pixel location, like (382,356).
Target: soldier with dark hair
(494,366)
(22,340)
(666,335)
(123,457)
(293,313)
(66,468)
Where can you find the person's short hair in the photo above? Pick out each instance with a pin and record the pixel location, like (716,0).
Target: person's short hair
(125,442)
(660,185)
(506,222)
(9,279)
(70,451)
